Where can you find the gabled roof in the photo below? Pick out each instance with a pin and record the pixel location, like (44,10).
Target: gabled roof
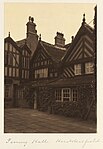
(25,47)
(85,29)
(56,53)
(10,40)
(21,42)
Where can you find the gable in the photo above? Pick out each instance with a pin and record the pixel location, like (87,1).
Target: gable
(84,48)
(88,47)
(82,45)
(40,55)
(76,52)
(9,43)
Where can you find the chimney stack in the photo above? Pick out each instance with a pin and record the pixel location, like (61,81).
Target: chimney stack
(32,37)
(60,40)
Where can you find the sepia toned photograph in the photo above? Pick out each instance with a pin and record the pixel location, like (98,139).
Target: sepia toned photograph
(50,68)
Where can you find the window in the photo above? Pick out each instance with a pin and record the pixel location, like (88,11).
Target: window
(22,73)
(38,64)
(14,50)
(42,63)
(55,74)
(66,94)
(17,72)
(74,94)
(23,52)
(17,58)
(58,94)
(5,72)
(6,46)
(27,74)
(45,62)
(10,72)
(89,68)
(14,62)
(10,47)
(10,59)
(41,73)
(13,72)
(23,62)
(77,69)
(6,58)
(35,64)
(51,74)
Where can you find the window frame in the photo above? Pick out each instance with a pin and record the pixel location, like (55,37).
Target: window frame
(65,96)
(77,69)
(89,68)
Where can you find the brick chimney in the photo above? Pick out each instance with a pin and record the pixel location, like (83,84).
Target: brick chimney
(59,40)
(32,37)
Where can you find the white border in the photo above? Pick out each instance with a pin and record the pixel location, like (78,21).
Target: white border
(97,138)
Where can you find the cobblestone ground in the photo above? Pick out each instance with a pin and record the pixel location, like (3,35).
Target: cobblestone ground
(33,121)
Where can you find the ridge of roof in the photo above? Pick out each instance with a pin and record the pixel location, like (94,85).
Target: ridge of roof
(54,46)
(20,42)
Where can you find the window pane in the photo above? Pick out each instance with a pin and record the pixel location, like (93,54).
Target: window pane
(89,67)
(6,58)
(6,46)
(66,94)
(10,72)
(14,62)
(10,47)
(41,73)
(5,72)
(74,94)
(13,72)
(58,95)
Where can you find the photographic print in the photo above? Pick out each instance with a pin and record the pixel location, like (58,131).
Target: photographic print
(50,68)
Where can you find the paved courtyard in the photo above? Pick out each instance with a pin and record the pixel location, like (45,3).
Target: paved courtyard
(32,121)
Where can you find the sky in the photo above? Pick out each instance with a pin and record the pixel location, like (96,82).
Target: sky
(49,18)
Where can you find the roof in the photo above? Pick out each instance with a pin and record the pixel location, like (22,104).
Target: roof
(54,51)
(20,43)
(67,45)
(10,40)
(84,29)
(89,28)
(39,83)
(74,81)
(23,45)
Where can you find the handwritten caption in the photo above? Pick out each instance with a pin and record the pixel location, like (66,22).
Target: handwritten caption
(83,142)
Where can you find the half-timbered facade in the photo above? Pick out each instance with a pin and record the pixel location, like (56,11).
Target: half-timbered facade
(78,76)
(59,78)
(25,62)
(45,67)
(11,70)
(45,63)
